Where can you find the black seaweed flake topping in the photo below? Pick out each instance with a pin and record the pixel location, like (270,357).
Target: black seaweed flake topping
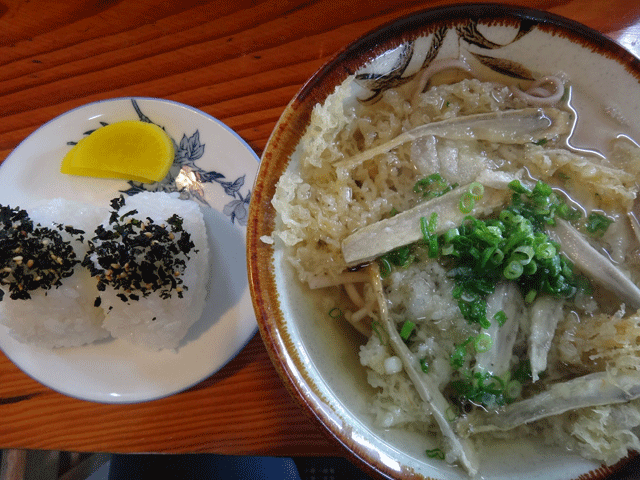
(31,256)
(137,257)
(128,214)
(117,203)
(76,232)
(176,222)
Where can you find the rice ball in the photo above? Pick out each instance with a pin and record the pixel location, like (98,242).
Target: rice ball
(47,297)
(151,259)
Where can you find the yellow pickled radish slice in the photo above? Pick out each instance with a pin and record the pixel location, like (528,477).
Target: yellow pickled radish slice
(132,150)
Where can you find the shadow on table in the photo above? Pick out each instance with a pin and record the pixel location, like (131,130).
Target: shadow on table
(223,467)
(206,466)
(53,465)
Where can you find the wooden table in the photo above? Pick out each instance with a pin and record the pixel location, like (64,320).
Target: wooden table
(240,61)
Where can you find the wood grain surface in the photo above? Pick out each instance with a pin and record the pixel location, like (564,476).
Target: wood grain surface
(240,61)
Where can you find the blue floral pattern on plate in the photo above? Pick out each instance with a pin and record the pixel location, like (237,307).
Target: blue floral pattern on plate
(187,178)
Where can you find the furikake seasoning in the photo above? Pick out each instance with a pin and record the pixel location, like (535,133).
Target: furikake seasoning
(137,257)
(32,256)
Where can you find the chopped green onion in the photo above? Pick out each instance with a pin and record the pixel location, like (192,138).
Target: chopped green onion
(433,186)
(513,390)
(496,231)
(385,267)
(450,234)
(399,257)
(497,257)
(530,269)
(424,366)
(482,343)
(513,246)
(506,216)
(500,317)
(433,221)
(497,382)
(546,250)
(433,246)
(563,211)
(513,270)
(530,297)
(583,285)
(448,250)
(522,373)
(523,254)
(517,187)
(430,238)
(476,190)
(421,185)
(435,452)
(475,312)
(452,413)
(424,228)
(457,357)
(480,388)
(597,223)
(467,203)
(459,354)
(428,228)
(541,190)
(335,312)
(486,255)
(407,328)
(483,388)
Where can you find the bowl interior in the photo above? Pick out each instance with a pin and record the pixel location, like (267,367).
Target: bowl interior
(318,359)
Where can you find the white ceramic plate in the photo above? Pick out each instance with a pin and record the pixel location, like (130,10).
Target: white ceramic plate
(215,167)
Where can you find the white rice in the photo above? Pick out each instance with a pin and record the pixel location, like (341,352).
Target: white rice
(152,321)
(64,316)
(67,315)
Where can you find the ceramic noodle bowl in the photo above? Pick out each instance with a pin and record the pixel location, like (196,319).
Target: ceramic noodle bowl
(534,55)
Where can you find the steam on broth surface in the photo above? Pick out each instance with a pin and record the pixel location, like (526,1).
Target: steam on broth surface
(490,264)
